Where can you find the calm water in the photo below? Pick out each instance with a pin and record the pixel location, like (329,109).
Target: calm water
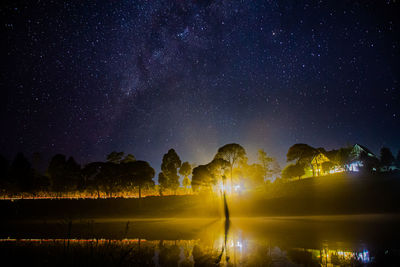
(285,241)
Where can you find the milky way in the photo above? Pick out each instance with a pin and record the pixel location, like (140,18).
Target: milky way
(85,79)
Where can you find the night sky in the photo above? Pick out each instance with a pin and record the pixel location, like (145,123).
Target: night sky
(85,78)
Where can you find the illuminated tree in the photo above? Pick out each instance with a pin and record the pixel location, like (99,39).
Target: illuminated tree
(293,170)
(255,175)
(169,167)
(233,154)
(185,170)
(269,164)
(217,168)
(327,166)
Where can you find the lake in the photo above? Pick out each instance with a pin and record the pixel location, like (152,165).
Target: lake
(346,240)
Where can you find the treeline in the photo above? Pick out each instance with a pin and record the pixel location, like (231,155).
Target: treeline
(123,175)
(305,160)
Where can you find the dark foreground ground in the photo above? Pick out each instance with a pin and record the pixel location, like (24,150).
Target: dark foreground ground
(338,194)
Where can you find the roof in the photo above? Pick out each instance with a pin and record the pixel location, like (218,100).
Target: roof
(357,149)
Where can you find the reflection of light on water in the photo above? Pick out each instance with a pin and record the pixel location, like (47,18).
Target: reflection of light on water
(336,256)
(238,251)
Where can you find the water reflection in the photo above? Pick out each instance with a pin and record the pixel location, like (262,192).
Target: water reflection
(216,243)
(131,252)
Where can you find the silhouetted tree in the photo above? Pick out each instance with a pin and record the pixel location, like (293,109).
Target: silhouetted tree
(22,174)
(387,158)
(185,170)
(4,174)
(90,176)
(37,162)
(232,153)
(398,159)
(293,170)
(65,175)
(56,172)
(140,174)
(111,178)
(162,182)
(370,164)
(115,157)
(301,153)
(128,158)
(343,156)
(169,167)
(72,173)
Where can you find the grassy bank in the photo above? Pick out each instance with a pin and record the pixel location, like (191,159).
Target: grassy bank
(336,194)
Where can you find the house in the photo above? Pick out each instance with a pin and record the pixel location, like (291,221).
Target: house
(359,157)
(324,163)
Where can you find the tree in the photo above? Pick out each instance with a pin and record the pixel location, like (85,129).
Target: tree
(201,178)
(37,162)
(169,167)
(387,158)
(90,175)
(370,164)
(128,158)
(4,173)
(217,169)
(269,164)
(22,174)
(65,175)
(56,172)
(327,166)
(342,156)
(162,182)
(398,160)
(115,157)
(255,174)
(293,170)
(72,174)
(140,174)
(233,154)
(185,170)
(302,153)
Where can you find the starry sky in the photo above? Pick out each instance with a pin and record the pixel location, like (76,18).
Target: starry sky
(85,78)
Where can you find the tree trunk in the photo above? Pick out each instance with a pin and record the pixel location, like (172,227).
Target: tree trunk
(231,178)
